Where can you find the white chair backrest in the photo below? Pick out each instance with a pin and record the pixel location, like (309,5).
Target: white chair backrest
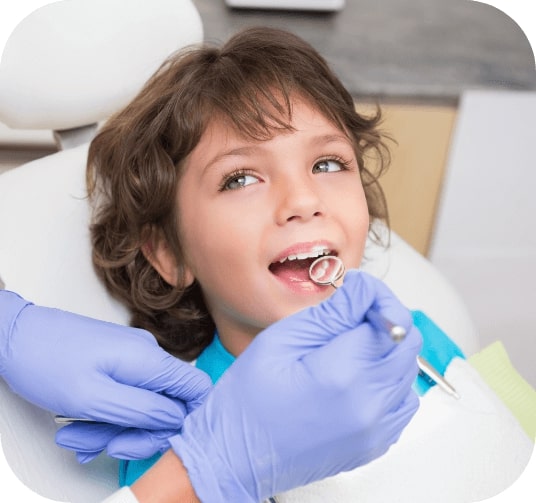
(74,62)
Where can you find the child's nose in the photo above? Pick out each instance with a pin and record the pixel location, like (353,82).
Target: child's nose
(298,201)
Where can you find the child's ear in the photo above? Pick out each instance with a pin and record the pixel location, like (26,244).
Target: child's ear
(159,254)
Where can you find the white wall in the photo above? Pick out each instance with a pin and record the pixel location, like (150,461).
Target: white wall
(485,236)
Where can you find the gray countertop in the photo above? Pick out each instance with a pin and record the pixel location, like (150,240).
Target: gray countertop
(415,49)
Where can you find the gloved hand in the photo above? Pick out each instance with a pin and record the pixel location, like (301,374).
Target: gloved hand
(88,440)
(80,367)
(317,393)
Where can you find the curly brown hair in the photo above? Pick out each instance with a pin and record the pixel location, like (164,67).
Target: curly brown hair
(135,161)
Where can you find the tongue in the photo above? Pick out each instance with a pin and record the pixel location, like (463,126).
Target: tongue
(292,270)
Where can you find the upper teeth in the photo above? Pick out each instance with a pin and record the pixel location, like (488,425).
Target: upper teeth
(315,252)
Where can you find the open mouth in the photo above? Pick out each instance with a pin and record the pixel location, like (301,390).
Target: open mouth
(295,268)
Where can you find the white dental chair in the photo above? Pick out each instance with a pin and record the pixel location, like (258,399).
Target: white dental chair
(60,75)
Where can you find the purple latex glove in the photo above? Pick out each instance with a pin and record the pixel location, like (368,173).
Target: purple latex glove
(315,394)
(80,367)
(88,440)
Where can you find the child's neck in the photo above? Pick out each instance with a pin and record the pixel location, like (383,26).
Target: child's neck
(236,341)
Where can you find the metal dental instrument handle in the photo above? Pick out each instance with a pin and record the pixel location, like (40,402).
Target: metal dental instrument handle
(328,269)
(69,420)
(396,332)
(429,371)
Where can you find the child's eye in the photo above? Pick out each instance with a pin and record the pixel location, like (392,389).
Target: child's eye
(238,181)
(329,166)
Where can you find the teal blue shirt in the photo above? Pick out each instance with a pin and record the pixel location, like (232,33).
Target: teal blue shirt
(437,348)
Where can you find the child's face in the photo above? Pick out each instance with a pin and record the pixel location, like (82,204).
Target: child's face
(246,205)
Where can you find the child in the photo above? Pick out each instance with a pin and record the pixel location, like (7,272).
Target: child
(215,189)
(213,114)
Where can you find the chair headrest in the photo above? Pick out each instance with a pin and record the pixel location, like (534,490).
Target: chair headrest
(73,63)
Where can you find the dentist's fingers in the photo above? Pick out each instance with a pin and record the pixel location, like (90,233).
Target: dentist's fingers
(130,407)
(344,310)
(362,350)
(167,375)
(89,439)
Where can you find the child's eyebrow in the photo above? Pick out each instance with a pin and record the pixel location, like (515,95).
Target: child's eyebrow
(331,138)
(243,151)
(247,150)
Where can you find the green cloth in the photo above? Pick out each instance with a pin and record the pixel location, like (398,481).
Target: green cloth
(495,368)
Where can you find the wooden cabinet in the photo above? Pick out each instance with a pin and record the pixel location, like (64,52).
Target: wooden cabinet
(413,181)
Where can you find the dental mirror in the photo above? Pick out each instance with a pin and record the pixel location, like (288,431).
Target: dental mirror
(326,270)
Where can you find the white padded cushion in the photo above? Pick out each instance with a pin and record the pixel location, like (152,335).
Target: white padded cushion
(73,63)
(45,252)
(27,441)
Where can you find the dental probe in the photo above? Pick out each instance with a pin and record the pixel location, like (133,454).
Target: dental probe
(432,373)
(397,334)
(323,273)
